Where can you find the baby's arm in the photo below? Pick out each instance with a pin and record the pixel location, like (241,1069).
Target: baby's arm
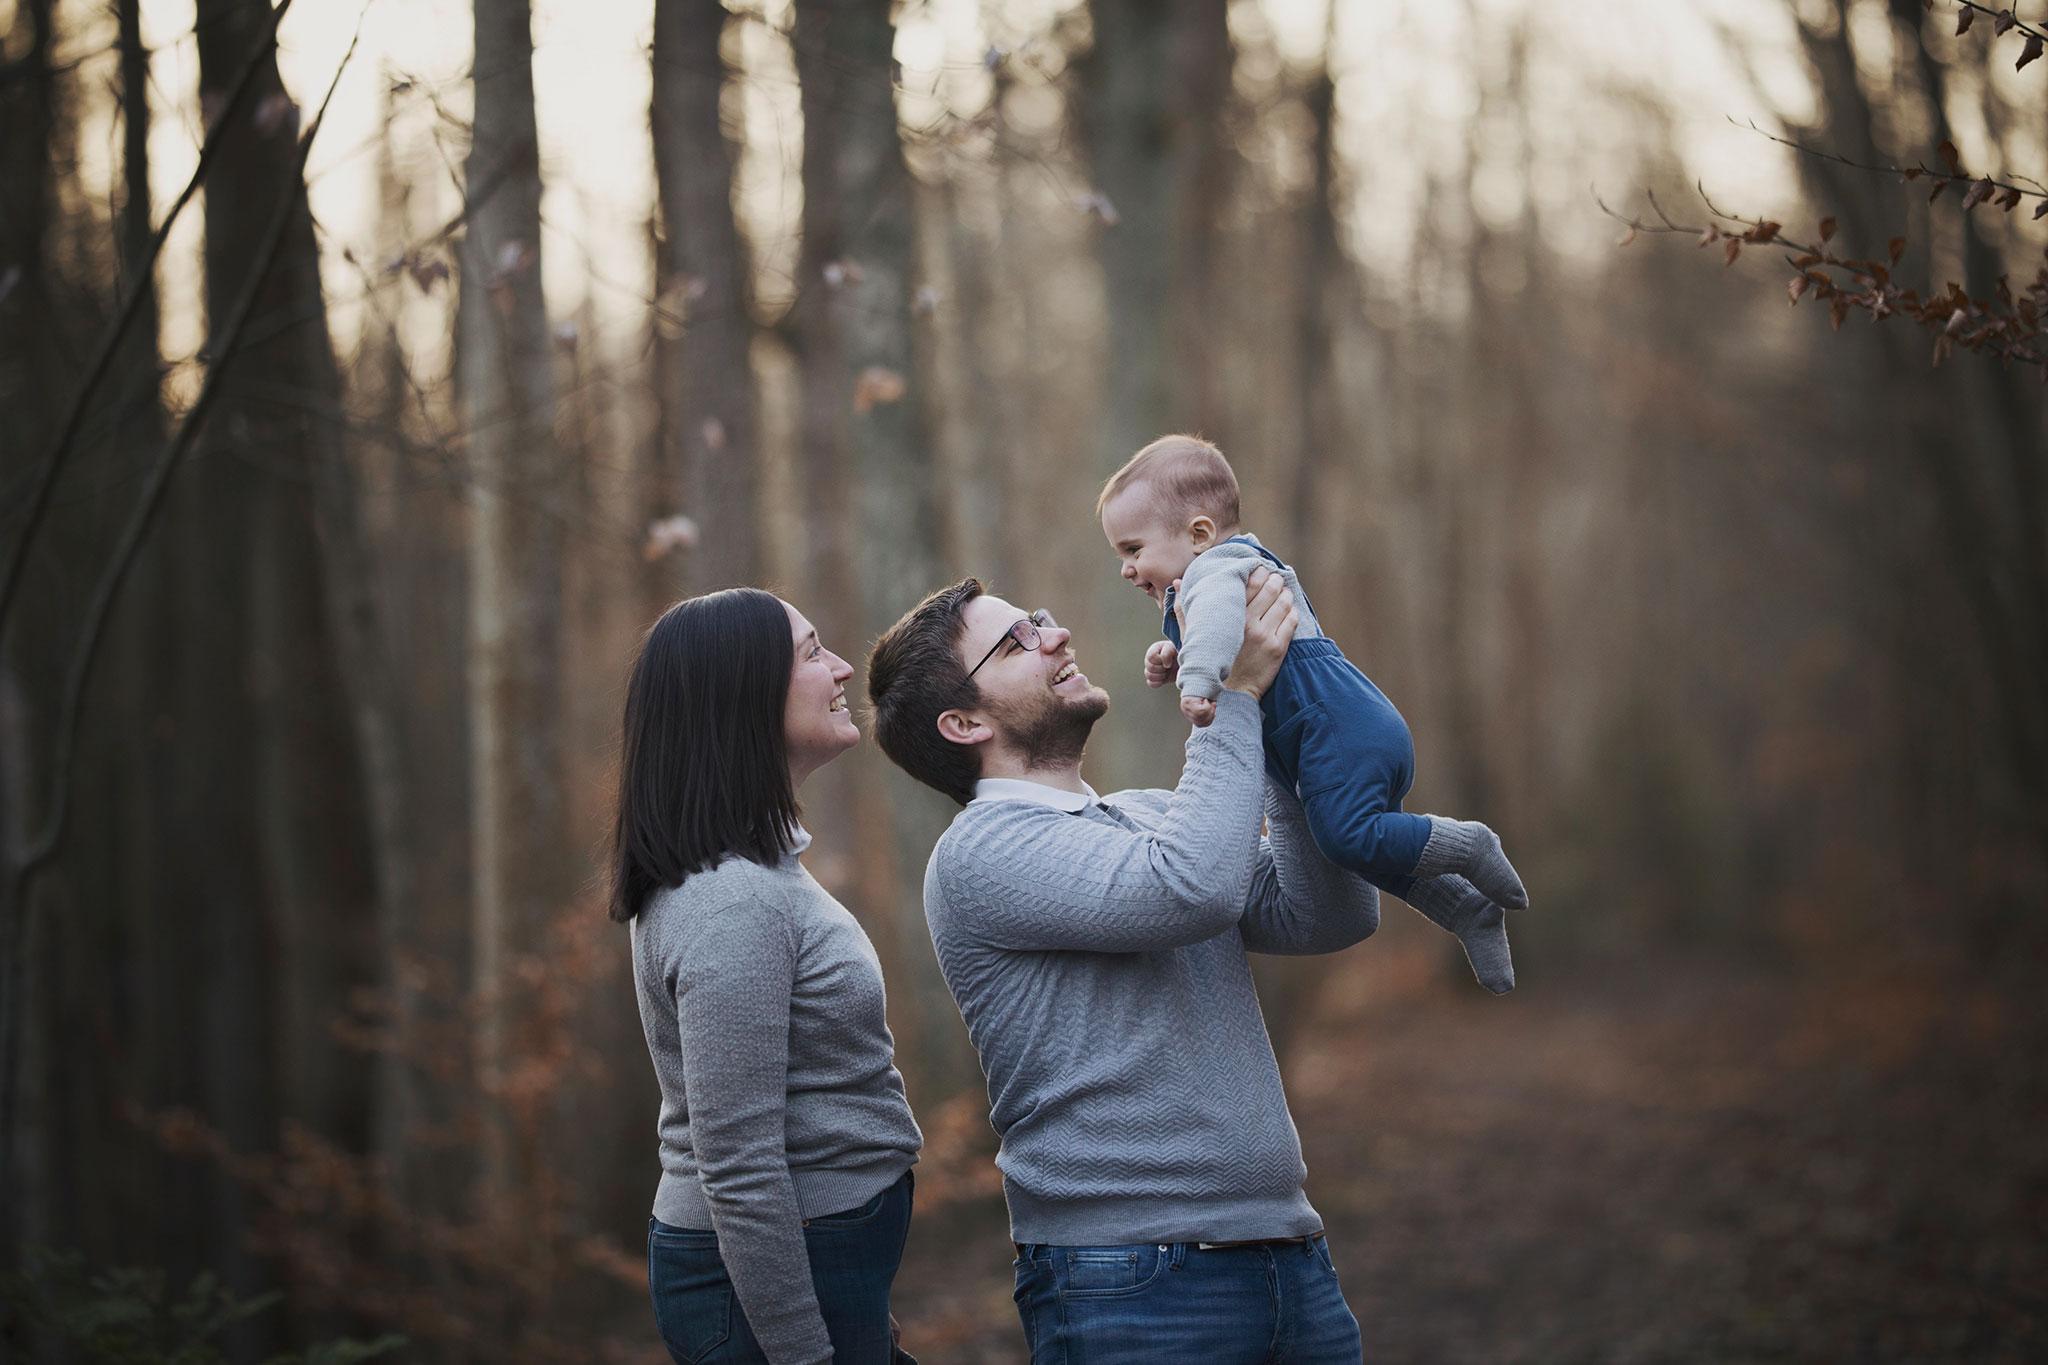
(1211,605)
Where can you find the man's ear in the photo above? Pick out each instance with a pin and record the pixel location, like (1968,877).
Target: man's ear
(964,727)
(1202,531)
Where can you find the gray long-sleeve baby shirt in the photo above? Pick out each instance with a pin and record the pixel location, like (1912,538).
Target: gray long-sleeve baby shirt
(762,1002)
(1211,601)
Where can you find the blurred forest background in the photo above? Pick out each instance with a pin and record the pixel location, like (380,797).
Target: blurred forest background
(336,492)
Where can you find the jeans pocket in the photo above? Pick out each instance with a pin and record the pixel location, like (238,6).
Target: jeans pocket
(1107,1272)
(692,1294)
(849,1218)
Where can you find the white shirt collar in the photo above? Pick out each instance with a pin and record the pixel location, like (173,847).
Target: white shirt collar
(800,839)
(1023,789)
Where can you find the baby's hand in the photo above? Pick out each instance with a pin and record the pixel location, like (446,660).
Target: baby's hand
(1200,710)
(1162,662)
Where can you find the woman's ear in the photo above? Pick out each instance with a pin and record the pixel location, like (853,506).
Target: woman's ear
(959,727)
(1202,531)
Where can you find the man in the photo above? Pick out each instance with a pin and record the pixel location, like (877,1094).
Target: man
(1096,948)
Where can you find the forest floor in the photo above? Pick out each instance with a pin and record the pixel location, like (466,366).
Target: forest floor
(1689,1160)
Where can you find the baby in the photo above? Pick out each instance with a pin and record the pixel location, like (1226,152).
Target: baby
(1331,737)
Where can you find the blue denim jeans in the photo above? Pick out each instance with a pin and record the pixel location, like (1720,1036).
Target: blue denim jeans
(853,1260)
(1273,1304)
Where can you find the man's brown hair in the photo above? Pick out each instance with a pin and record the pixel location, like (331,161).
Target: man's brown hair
(1191,476)
(915,676)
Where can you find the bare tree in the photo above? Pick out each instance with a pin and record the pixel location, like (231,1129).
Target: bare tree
(521,869)
(708,428)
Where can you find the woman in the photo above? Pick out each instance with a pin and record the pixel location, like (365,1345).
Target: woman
(786,1142)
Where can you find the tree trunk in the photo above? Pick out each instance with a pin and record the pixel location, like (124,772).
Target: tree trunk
(709,426)
(292,931)
(866,458)
(521,867)
(1152,93)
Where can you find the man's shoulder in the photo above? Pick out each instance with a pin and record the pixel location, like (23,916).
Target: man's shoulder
(1143,804)
(982,825)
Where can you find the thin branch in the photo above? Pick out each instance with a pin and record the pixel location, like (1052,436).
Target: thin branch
(1954,175)
(130,307)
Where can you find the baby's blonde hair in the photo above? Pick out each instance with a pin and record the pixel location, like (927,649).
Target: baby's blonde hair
(1188,473)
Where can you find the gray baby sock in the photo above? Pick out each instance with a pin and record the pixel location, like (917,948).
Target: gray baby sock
(1472,851)
(1481,926)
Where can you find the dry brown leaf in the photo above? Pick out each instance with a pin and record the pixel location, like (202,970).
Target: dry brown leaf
(1979,192)
(1734,250)
(1897,248)
(2028,53)
(2009,200)
(876,385)
(1964,20)
(1949,155)
(1827,228)
(1796,288)
(2004,22)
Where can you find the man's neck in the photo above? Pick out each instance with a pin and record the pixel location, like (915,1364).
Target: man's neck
(1064,777)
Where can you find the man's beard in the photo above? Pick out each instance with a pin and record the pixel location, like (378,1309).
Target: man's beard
(1053,733)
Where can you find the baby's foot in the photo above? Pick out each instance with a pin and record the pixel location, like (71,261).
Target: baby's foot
(1455,904)
(1486,948)
(1471,850)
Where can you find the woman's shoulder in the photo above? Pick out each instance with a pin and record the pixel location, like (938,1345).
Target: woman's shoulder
(734,897)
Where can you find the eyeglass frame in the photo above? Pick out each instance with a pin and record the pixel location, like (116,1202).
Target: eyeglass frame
(1041,619)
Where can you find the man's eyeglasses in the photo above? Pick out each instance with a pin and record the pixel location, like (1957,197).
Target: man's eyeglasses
(1024,634)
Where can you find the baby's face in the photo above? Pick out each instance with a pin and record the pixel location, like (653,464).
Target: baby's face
(1154,547)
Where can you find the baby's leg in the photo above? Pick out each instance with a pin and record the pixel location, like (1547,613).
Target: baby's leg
(1480,924)
(1357,827)
(1469,849)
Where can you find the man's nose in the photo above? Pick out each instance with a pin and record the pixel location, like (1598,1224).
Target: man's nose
(1051,639)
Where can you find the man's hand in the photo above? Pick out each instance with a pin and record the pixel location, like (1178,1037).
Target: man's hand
(1200,710)
(1269,620)
(1162,661)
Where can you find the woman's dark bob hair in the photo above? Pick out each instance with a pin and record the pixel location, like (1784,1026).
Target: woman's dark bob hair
(704,770)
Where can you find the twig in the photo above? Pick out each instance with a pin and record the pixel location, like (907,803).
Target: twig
(140,287)
(2016,25)
(1955,174)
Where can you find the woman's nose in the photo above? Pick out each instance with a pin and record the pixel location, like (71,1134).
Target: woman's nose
(841,670)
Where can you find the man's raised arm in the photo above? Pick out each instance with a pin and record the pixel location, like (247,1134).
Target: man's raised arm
(1044,879)
(1301,902)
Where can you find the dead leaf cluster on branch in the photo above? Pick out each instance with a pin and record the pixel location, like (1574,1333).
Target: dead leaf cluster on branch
(2008,325)
(2003,21)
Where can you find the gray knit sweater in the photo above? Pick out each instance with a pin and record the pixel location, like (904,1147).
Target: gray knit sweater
(1098,956)
(761,999)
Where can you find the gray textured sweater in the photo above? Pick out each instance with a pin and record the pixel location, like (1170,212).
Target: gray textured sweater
(1098,956)
(762,1003)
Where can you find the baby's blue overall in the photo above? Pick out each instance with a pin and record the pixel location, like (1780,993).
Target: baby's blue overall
(1335,740)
